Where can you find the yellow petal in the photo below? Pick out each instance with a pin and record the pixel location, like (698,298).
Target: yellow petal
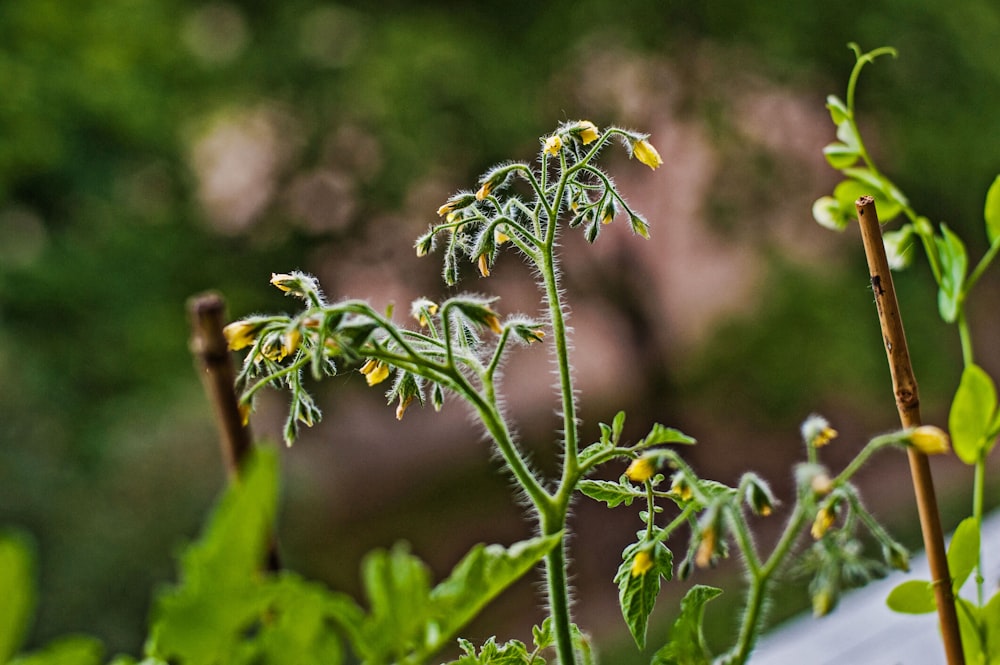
(588,132)
(484,266)
(641,470)
(642,563)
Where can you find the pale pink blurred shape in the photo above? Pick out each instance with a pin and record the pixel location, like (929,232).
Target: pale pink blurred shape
(236,159)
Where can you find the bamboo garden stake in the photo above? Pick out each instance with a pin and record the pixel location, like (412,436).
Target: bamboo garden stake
(904,386)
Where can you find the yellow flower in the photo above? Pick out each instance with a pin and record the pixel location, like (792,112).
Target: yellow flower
(641,469)
(642,563)
(553,145)
(824,520)
(375,371)
(825,436)
(499,237)
(587,131)
(240,334)
(930,440)
(645,152)
(484,266)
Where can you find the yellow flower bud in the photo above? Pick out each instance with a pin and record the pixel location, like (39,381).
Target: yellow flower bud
(484,190)
(641,469)
(499,237)
(284,281)
(824,520)
(484,266)
(930,440)
(645,152)
(642,563)
(404,403)
(821,484)
(290,342)
(492,322)
(680,487)
(240,334)
(706,548)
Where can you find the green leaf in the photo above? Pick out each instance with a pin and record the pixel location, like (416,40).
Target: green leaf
(297,629)
(476,580)
(972,414)
(838,109)
(611,493)
(637,590)
(397,585)
(17,590)
(659,435)
(991,628)
(513,652)
(687,642)
(65,651)
(840,156)
(828,212)
(617,425)
(963,552)
(954,263)
(889,201)
(992,211)
(912,597)
(220,595)
(974,645)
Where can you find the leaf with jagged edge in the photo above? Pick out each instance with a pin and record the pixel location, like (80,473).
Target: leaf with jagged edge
(687,641)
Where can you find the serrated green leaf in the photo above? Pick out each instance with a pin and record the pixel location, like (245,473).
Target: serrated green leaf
(838,109)
(840,155)
(954,262)
(64,651)
(687,641)
(220,597)
(477,579)
(17,589)
(972,414)
(828,212)
(611,493)
(963,552)
(991,211)
(637,590)
(297,629)
(397,585)
(912,597)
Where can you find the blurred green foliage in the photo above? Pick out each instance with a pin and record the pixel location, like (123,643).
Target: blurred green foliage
(102,236)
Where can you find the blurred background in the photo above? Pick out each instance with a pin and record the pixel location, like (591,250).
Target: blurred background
(152,149)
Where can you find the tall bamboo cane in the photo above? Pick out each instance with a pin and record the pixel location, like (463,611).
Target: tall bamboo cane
(904,385)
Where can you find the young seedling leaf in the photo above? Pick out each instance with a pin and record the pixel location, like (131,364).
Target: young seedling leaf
(838,109)
(660,435)
(17,590)
(687,642)
(840,155)
(972,414)
(963,552)
(954,262)
(992,211)
(912,597)
(991,628)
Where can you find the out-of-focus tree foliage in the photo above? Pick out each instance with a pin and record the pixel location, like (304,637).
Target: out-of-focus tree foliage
(103,234)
